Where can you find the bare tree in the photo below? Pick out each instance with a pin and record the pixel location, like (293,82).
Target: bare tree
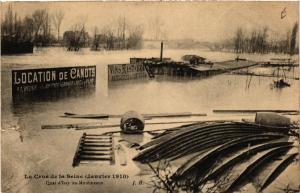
(28,27)
(57,18)
(7,24)
(109,37)
(39,17)
(77,37)
(120,35)
(46,26)
(16,34)
(41,27)
(293,38)
(287,42)
(121,32)
(238,41)
(135,37)
(96,40)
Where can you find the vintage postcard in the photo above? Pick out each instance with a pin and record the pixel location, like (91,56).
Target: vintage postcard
(131,97)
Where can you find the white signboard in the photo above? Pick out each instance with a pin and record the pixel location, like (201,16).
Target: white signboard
(126,72)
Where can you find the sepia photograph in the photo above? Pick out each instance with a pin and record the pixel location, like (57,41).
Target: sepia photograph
(150,96)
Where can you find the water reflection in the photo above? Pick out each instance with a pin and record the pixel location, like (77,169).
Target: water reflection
(52,95)
(119,84)
(112,85)
(164,78)
(21,102)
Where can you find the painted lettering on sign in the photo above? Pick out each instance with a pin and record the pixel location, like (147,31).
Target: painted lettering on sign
(126,71)
(29,80)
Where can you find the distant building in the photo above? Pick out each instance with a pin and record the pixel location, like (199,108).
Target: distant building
(194,59)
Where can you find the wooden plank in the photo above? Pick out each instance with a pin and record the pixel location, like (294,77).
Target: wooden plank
(121,155)
(84,126)
(253,111)
(166,115)
(196,137)
(205,159)
(255,165)
(187,146)
(282,165)
(99,135)
(102,142)
(206,144)
(98,158)
(76,159)
(155,123)
(243,155)
(99,138)
(193,132)
(94,153)
(87,116)
(78,126)
(112,152)
(96,149)
(97,145)
(146,116)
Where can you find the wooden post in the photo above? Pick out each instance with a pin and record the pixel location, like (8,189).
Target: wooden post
(161,51)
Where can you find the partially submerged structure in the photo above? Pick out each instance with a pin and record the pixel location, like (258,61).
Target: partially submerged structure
(168,67)
(195,60)
(280,62)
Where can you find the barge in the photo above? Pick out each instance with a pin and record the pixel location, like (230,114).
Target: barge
(166,66)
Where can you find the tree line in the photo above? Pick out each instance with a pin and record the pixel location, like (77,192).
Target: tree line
(118,35)
(43,29)
(36,28)
(259,41)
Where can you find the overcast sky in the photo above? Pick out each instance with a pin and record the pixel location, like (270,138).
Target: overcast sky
(203,21)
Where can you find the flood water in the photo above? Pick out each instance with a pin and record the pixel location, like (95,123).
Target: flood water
(149,96)
(52,151)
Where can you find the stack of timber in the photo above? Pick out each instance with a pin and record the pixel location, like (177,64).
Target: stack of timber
(199,137)
(214,150)
(94,147)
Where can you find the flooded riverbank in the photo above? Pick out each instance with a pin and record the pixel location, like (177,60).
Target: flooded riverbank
(52,151)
